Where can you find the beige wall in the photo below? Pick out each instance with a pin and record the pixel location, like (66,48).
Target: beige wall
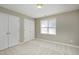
(66,27)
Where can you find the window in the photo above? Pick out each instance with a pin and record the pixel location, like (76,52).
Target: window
(48,26)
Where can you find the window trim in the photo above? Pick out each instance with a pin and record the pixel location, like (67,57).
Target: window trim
(47,28)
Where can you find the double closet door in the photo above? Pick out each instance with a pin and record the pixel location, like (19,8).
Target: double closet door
(29,29)
(9,30)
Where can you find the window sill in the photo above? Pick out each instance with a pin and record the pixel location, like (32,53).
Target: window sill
(48,34)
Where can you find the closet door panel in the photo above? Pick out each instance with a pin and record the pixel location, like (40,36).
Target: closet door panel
(32,29)
(28,29)
(14,28)
(3,31)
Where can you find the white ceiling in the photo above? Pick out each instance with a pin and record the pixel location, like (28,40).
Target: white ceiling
(46,10)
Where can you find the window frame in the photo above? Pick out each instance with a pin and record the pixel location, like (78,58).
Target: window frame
(47,27)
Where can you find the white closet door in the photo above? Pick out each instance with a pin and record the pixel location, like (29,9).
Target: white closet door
(32,29)
(28,29)
(3,31)
(14,27)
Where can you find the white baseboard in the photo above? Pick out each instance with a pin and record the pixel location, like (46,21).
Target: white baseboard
(25,42)
(66,44)
(20,43)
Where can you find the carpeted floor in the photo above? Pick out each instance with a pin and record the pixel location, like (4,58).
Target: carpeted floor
(40,47)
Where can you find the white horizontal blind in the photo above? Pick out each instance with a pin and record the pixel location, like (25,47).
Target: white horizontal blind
(48,26)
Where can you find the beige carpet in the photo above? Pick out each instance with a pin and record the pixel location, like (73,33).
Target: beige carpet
(40,47)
